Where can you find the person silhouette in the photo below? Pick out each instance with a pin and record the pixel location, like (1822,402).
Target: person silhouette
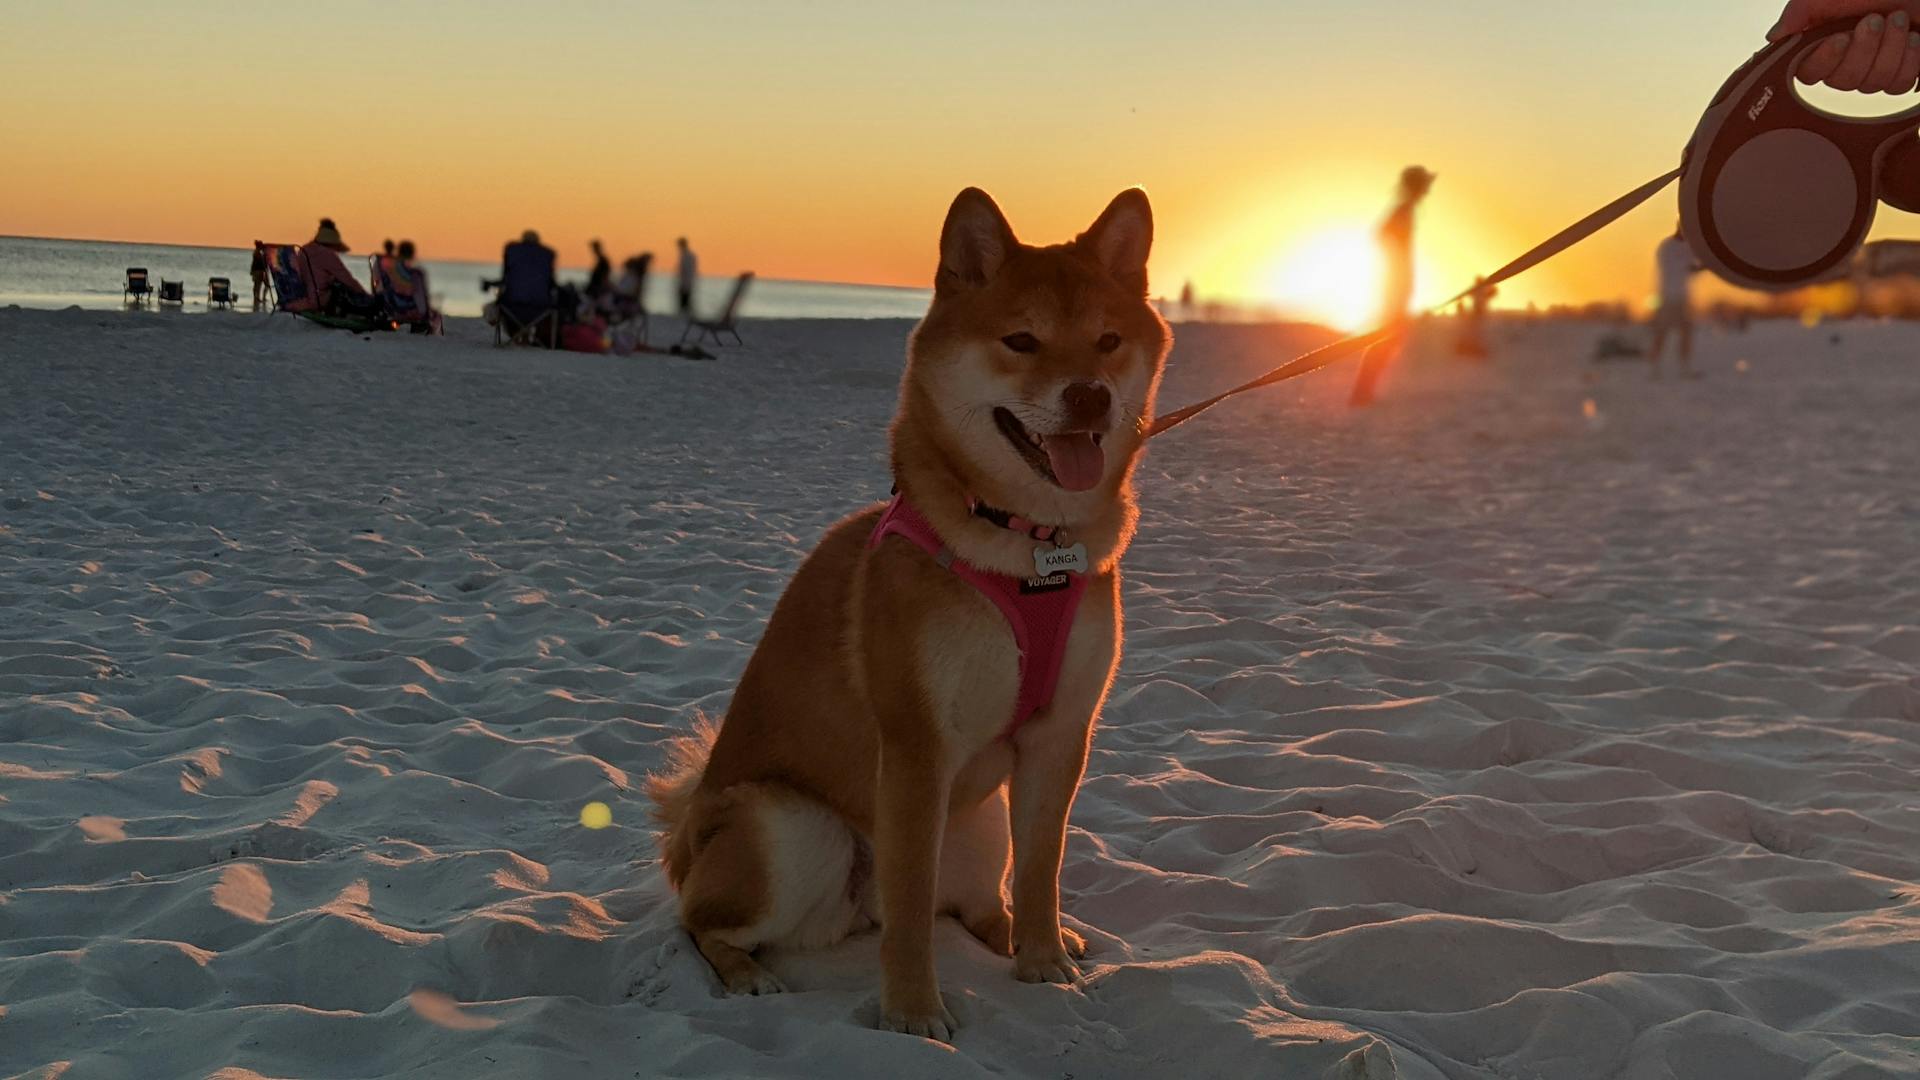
(1396,243)
(689,276)
(600,280)
(1472,344)
(1677,264)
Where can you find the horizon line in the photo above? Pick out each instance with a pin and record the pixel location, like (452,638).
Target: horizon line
(476,262)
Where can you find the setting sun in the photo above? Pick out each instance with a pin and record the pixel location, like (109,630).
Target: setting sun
(1331,276)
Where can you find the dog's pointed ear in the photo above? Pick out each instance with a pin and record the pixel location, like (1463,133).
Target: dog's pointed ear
(1122,238)
(974,243)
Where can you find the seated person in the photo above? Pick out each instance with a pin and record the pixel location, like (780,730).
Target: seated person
(403,283)
(526,278)
(629,299)
(331,287)
(384,266)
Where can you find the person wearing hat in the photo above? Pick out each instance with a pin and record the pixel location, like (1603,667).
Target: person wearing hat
(1396,243)
(332,286)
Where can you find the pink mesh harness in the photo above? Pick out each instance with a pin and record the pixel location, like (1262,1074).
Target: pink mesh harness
(1038,611)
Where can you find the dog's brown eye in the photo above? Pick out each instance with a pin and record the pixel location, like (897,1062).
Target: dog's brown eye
(1022,342)
(1108,342)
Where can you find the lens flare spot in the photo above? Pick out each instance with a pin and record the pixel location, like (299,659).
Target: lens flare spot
(596,815)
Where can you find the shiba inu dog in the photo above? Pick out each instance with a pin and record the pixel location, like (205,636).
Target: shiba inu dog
(913,726)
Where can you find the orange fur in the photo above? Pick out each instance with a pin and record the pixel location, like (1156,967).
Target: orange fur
(872,711)
(672,793)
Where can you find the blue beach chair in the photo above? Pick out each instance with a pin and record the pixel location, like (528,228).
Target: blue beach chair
(527,311)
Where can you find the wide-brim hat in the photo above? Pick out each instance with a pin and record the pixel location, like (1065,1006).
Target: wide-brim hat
(329,237)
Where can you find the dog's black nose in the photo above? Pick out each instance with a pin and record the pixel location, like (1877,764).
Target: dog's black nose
(1086,402)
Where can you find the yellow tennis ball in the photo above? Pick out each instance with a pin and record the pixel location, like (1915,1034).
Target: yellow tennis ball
(595,815)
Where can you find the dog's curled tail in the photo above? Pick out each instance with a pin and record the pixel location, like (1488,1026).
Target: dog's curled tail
(672,790)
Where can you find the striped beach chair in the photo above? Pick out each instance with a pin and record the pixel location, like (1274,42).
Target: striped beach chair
(402,290)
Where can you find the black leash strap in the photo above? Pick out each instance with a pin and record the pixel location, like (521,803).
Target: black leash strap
(1340,350)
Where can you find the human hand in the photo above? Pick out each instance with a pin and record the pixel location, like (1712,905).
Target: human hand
(1881,54)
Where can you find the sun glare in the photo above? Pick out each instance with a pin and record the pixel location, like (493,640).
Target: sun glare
(1331,276)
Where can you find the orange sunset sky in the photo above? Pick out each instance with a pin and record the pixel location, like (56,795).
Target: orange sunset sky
(825,140)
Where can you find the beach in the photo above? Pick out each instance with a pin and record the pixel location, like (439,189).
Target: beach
(1544,721)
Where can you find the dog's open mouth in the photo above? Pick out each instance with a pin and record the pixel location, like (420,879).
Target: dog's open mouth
(1074,460)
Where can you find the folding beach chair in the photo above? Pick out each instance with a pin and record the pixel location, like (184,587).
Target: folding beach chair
(286,276)
(526,312)
(630,315)
(402,291)
(137,290)
(627,307)
(726,322)
(173,292)
(219,293)
(293,293)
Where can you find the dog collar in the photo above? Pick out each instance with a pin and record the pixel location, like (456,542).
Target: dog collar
(1054,557)
(1015,523)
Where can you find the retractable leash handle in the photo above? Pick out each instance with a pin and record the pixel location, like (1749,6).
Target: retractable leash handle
(1900,175)
(1775,193)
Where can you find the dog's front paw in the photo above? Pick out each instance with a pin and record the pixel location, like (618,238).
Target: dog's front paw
(1047,965)
(933,1022)
(1075,945)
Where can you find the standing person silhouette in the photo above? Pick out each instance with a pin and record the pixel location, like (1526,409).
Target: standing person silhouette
(1472,344)
(689,274)
(1396,243)
(600,280)
(1676,264)
(258,270)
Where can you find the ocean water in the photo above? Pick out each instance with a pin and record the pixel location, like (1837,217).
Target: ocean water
(40,273)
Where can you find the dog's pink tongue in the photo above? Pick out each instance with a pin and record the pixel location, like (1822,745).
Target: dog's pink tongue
(1078,462)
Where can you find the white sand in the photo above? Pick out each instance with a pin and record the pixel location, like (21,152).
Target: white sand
(1466,738)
